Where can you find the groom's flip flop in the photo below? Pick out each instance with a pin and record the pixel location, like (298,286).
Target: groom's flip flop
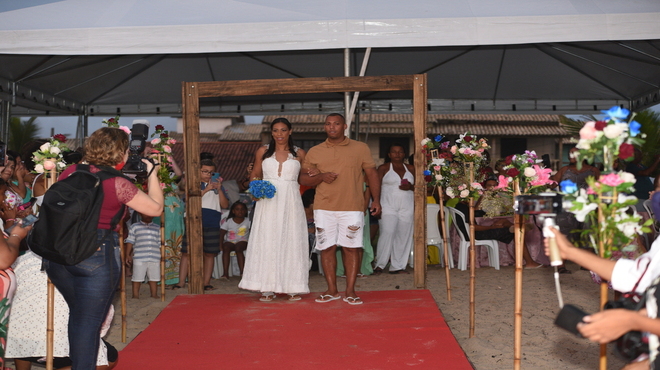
(323,298)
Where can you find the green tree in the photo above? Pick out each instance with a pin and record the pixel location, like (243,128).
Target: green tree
(21,132)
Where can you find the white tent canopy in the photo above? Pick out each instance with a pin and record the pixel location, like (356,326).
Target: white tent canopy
(565,56)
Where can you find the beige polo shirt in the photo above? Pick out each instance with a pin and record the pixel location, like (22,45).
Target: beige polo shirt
(347,159)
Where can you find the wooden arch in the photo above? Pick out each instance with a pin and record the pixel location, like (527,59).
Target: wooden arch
(193,91)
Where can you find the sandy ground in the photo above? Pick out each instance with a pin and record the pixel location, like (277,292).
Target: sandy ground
(544,346)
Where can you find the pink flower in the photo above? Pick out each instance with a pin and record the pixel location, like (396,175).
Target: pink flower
(588,131)
(543,176)
(125,129)
(611,179)
(49,165)
(167,149)
(453,149)
(155,141)
(171,141)
(503,182)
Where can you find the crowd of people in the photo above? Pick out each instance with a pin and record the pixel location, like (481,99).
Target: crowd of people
(332,200)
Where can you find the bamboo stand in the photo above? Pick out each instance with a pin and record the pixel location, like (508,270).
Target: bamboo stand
(49,179)
(122,293)
(604,292)
(519,232)
(473,256)
(445,245)
(162,256)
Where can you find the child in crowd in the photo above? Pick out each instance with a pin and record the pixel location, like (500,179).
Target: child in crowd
(234,233)
(143,252)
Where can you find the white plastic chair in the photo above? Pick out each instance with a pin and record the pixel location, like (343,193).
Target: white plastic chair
(218,271)
(649,209)
(492,244)
(433,235)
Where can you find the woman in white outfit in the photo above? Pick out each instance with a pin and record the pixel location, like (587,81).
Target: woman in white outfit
(277,257)
(396,221)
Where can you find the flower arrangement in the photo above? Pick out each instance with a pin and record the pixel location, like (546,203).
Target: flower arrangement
(261,189)
(49,156)
(527,169)
(620,223)
(609,138)
(460,187)
(496,203)
(468,148)
(438,161)
(114,122)
(162,145)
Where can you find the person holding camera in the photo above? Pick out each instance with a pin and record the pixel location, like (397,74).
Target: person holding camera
(89,286)
(624,275)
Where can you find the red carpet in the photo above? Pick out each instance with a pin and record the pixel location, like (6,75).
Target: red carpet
(392,329)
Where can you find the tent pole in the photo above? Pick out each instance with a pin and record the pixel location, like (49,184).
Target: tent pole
(347,94)
(351,113)
(5,107)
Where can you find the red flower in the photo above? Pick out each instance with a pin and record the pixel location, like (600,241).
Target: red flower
(111,120)
(626,151)
(159,127)
(600,125)
(164,135)
(61,138)
(427,178)
(512,172)
(467,139)
(508,159)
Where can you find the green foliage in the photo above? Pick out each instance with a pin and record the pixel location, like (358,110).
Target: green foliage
(650,122)
(22,132)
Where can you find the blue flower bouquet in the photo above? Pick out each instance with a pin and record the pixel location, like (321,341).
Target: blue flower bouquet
(261,189)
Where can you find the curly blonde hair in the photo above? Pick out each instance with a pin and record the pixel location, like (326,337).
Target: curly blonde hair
(106,146)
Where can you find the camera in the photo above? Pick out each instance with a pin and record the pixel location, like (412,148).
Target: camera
(134,165)
(540,204)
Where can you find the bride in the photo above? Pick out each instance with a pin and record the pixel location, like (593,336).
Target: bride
(276,259)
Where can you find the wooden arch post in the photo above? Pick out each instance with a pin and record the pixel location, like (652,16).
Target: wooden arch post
(193,91)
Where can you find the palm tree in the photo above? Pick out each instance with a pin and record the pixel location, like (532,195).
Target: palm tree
(21,132)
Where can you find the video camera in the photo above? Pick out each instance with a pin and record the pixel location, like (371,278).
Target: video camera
(541,204)
(134,165)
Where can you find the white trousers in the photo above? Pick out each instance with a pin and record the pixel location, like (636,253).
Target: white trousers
(395,241)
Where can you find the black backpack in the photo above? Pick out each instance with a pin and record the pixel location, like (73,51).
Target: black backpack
(66,232)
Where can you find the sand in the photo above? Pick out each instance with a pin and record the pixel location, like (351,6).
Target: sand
(544,346)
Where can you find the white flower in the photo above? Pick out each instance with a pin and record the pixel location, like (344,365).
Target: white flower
(55,150)
(45,147)
(627,177)
(438,161)
(530,172)
(615,130)
(450,192)
(465,193)
(580,215)
(438,177)
(61,165)
(476,185)
(39,168)
(582,144)
(425,141)
(630,229)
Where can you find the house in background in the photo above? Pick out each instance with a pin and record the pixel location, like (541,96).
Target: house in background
(507,134)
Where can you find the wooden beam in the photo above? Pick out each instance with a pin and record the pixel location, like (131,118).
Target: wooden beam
(304,85)
(419,129)
(190,107)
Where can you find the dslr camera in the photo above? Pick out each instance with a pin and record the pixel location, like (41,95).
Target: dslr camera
(134,165)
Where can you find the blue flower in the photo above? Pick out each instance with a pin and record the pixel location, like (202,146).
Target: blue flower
(427,173)
(261,189)
(438,138)
(568,187)
(634,128)
(616,113)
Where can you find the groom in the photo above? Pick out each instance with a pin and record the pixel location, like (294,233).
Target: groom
(336,168)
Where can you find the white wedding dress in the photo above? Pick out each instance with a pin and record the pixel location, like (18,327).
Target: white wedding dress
(277,257)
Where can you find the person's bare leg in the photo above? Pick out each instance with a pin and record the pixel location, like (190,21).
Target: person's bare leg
(153,288)
(226,255)
(183,269)
(351,266)
(136,289)
(329,262)
(359,262)
(209,260)
(240,255)
(22,364)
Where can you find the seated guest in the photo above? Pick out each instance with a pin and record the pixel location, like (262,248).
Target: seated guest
(500,230)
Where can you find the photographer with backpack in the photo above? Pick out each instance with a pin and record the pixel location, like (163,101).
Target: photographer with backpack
(88,283)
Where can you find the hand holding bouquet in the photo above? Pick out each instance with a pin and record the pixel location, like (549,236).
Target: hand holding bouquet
(261,189)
